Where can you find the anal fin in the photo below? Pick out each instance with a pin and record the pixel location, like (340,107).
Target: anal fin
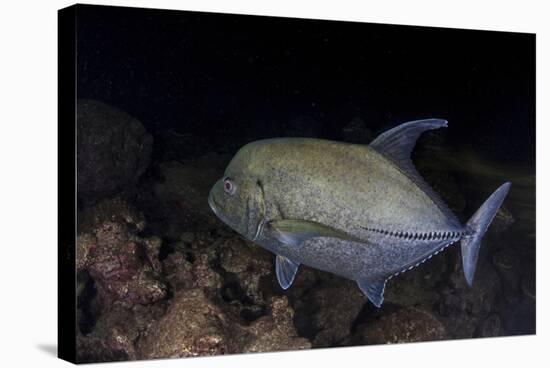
(373,288)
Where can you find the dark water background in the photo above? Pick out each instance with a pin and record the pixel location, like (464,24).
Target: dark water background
(220,81)
(225,77)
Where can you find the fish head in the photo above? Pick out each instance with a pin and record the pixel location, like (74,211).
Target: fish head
(237,198)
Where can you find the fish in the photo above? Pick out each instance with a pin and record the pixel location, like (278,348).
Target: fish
(358,211)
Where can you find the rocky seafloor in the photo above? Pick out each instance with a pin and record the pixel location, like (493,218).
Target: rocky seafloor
(159,276)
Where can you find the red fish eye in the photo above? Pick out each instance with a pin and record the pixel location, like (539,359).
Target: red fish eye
(228,186)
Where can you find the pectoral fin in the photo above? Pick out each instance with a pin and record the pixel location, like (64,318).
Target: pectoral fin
(294,232)
(286,271)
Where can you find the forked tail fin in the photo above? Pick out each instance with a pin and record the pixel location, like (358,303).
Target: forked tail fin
(476,227)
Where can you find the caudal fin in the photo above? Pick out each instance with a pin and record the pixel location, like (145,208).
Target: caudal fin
(476,227)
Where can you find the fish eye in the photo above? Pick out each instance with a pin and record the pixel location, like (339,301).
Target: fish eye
(229,186)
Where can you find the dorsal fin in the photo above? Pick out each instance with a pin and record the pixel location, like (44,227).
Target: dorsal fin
(397,144)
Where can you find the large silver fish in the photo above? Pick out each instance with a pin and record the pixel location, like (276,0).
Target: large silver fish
(358,211)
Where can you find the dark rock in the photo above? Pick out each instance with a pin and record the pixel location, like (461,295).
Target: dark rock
(123,265)
(115,334)
(490,327)
(528,286)
(275,332)
(339,307)
(113,149)
(88,304)
(178,271)
(187,237)
(196,273)
(235,255)
(115,210)
(204,276)
(519,318)
(228,266)
(506,259)
(95,349)
(307,279)
(195,325)
(327,312)
(508,265)
(463,308)
(85,245)
(247,264)
(152,250)
(112,339)
(192,326)
(503,219)
(401,326)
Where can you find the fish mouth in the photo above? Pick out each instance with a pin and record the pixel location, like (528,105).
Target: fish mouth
(216,209)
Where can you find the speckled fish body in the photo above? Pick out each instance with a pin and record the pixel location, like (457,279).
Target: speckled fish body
(358,211)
